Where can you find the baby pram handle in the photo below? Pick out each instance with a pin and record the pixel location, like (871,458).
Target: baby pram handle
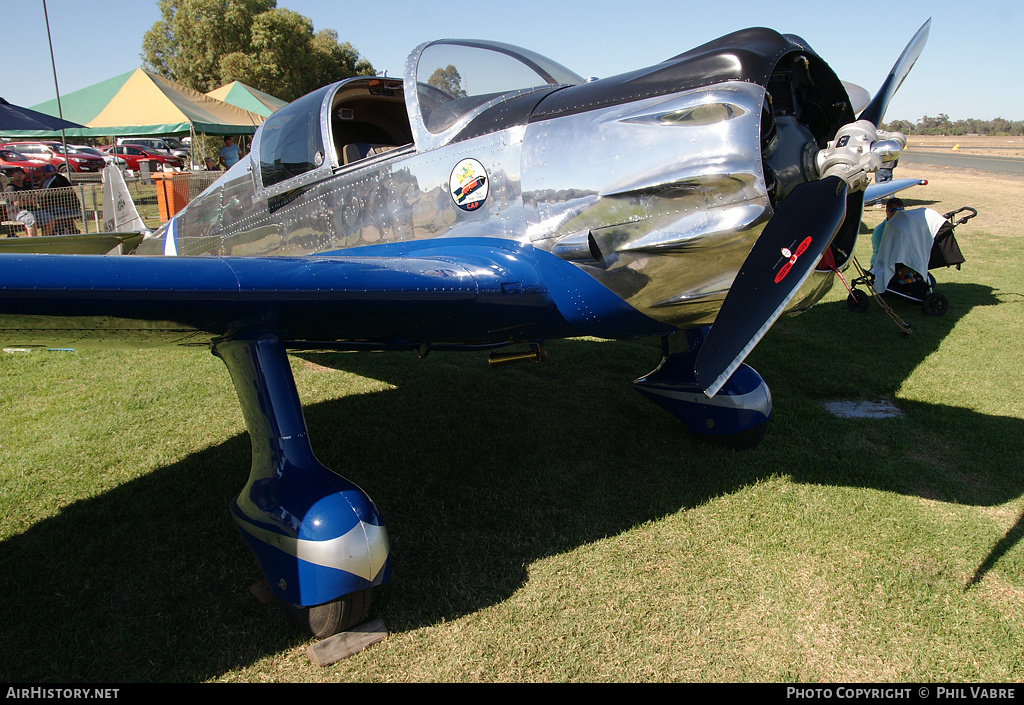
(971,213)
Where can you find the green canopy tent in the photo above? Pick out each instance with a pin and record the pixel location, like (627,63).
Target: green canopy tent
(248,98)
(141,103)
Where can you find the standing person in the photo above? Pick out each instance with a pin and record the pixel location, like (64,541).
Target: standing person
(884,172)
(229,153)
(26,206)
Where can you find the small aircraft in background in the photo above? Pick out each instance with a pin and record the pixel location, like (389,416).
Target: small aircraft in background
(489,198)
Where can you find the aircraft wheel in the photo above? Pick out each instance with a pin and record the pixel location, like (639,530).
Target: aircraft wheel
(857,301)
(745,440)
(331,617)
(935,304)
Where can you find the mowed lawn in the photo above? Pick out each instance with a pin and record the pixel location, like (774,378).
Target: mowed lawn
(546,522)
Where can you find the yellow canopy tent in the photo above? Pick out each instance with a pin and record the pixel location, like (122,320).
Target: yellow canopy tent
(142,103)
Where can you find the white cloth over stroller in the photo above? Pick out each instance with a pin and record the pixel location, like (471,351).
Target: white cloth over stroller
(907,238)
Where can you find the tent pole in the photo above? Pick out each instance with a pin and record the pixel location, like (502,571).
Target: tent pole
(56,88)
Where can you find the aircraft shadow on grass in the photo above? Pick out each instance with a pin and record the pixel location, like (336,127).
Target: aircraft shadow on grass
(478,473)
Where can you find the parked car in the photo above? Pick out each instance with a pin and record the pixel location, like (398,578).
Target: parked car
(53,153)
(158,144)
(108,158)
(33,167)
(133,154)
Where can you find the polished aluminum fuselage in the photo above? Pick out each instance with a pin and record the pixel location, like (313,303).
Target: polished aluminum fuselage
(658,199)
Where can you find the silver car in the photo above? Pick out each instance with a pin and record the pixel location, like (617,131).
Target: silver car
(170,145)
(108,158)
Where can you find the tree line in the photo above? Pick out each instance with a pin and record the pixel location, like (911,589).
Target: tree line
(205,44)
(942,125)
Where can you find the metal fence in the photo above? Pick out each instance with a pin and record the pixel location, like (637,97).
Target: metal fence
(79,208)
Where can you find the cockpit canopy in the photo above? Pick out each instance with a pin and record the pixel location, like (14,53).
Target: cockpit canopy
(330,128)
(457,79)
(365,117)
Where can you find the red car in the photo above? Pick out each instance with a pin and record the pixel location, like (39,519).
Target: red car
(10,159)
(133,154)
(53,153)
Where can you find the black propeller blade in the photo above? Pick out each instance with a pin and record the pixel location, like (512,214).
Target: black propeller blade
(803,226)
(878,105)
(780,261)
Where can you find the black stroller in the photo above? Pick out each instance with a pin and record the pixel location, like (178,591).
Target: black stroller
(910,284)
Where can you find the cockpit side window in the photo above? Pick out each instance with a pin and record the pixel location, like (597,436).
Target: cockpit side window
(369,118)
(291,142)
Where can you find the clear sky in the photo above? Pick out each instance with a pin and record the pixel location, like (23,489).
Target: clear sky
(971,67)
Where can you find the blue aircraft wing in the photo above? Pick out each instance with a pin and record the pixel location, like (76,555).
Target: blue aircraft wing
(483,292)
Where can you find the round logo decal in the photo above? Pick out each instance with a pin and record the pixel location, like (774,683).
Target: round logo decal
(468,184)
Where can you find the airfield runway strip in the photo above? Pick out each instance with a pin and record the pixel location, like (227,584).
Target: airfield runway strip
(1008,165)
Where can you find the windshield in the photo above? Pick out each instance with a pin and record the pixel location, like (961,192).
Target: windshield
(455,77)
(70,150)
(290,141)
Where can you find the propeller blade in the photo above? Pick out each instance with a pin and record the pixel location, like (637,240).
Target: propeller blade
(788,249)
(877,107)
(778,264)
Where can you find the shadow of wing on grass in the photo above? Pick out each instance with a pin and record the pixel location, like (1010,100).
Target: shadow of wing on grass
(478,473)
(521,462)
(141,583)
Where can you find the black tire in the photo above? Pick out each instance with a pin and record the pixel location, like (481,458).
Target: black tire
(857,301)
(62,169)
(331,617)
(935,304)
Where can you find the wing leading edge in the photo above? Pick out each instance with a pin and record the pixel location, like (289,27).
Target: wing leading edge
(457,293)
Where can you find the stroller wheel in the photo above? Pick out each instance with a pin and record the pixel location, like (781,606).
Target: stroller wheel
(935,304)
(857,301)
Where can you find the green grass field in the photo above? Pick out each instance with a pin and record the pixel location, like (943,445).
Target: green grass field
(546,522)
